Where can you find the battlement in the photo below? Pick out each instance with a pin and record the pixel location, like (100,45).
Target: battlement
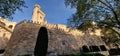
(67,30)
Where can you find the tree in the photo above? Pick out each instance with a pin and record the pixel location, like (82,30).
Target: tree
(105,13)
(8,7)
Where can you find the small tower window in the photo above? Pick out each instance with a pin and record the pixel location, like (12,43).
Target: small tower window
(37,11)
(40,17)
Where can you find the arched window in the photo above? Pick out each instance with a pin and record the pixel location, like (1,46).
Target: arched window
(85,48)
(103,48)
(38,11)
(41,43)
(94,48)
(10,26)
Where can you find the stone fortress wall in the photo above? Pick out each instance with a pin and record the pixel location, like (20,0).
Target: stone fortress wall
(61,39)
(6,29)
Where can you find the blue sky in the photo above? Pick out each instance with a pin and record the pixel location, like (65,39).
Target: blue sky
(55,10)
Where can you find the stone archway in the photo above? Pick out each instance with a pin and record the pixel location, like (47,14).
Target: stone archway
(41,43)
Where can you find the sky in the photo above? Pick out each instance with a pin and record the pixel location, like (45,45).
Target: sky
(55,10)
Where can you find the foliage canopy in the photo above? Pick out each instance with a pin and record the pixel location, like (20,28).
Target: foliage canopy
(8,7)
(105,13)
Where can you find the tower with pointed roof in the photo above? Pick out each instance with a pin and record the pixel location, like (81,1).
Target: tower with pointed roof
(37,15)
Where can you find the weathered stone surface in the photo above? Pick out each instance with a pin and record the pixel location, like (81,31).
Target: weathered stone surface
(25,33)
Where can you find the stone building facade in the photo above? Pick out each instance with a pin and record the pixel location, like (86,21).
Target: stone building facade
(61,39)
(6,29)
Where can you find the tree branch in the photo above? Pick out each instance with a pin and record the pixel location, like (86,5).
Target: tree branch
(115,15)
(115,31)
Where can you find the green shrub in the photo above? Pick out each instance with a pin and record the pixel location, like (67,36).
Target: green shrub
(91,54)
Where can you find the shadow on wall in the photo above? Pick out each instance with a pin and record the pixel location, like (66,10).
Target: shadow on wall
(41,43)
(86,48)
(115,51)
